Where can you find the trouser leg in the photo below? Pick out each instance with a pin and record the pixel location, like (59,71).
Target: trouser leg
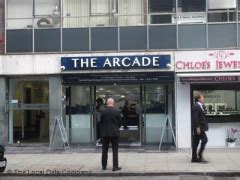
(204,140)
(195,143)
(115,143)
(105,145)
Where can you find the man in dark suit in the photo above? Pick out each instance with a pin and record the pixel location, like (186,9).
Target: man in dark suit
(199,128)
(111,122)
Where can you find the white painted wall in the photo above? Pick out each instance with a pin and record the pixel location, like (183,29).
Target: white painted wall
(29,64)
(50,63)
(183,115)
(217,131)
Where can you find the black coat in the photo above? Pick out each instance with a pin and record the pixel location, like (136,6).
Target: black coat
(110,122)
(198,118)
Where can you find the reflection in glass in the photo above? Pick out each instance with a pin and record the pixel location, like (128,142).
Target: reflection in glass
(127,101)
(155,99)
(221,102)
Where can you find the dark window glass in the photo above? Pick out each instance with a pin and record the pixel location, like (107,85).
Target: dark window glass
(222,17)
(232,16)
(160,19)
(192,5)
(156,6)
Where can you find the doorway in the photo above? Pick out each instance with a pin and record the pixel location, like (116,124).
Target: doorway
(128,101)
(143,110)
(28,111)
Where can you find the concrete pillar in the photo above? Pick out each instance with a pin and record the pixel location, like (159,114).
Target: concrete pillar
(55,109)
(183,114)
(3,112)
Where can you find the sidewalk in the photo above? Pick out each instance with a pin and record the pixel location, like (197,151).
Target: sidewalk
(221,162)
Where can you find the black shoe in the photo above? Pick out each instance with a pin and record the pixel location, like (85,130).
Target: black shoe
(195,160)
(104,168)
(116,169)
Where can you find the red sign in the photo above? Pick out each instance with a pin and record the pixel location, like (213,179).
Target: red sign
(229,79)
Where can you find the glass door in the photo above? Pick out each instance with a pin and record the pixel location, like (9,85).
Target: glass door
(29,113)
(128,101)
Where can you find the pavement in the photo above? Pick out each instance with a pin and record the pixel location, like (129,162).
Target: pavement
(222,162)
(183,177)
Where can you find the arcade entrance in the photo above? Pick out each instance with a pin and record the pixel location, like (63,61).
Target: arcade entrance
(143,108)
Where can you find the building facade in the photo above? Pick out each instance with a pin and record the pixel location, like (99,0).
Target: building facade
(60,56)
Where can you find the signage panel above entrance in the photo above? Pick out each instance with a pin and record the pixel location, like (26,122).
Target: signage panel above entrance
(211,79)
(122,78)
(157,62)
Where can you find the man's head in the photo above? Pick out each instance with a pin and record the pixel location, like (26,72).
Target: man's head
(199,98)
(110,102)
(99,101)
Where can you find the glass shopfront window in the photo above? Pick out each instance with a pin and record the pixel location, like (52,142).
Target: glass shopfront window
(157,101)
(222,103)
(78,116)
(160,11)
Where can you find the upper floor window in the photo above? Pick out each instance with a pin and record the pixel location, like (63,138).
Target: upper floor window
(160,6)
(222,4)
(28,13)
(191,5)
(222,10)
(83,13)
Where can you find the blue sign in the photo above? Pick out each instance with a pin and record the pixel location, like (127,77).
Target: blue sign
(116,62)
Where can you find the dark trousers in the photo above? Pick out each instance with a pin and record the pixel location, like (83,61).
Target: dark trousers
(125,121)
(106,141)
(195,142)
(98,130)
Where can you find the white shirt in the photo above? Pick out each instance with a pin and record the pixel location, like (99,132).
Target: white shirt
(201,105)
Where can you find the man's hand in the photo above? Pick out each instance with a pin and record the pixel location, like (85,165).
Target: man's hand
(198,131)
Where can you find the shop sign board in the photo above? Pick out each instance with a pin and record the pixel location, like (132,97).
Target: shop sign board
(78,63)
(207,61)
(200,79)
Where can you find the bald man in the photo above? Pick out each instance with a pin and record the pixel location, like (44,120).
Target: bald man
(111,122)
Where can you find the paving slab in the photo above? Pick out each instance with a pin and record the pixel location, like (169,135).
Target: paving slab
(221,161)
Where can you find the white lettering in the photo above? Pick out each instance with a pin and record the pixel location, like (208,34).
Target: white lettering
(116,62)
(107,62)
(84,62)
(93,62)
(136,62)
(124,62)
(146,61)
(75,62)
(156,61)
